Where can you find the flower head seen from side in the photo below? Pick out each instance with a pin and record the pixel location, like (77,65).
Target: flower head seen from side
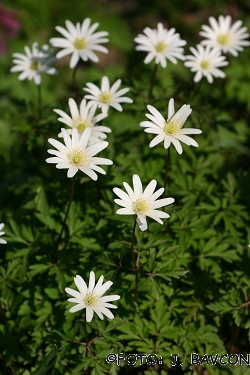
(80,41)
(161,44)
(33,63)
(75,154)
(91,297)
(83,118)
(2,233)
(226,36)
(107,96)
(170,130)
(206,62)
(142,203)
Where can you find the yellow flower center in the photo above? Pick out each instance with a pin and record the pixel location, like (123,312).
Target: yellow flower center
(80,43)
(223,39)
(81,124)
(77,157)
(90,299)
(141,206)
(105,97)
(160,46)
(34,65)
(205,64)
(171,127)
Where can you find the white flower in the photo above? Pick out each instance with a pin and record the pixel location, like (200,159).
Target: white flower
(75,155)
(80,41)
(142,203)
(205,61)
(107,96)
(170,130)
(2,233)
(161,44)
(91,297)
(229,38)
(84,119)
(33,63)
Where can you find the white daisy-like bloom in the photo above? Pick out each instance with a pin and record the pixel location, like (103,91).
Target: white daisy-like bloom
(80,41)
(161,44)
(33,63)
(82,119)
(142,203)
(76,155)
(205,61)
(107,96)
(2,233)
(225,35)
(170,130)
(91,297)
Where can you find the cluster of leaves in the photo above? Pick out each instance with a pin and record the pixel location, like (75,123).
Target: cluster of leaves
(194,288)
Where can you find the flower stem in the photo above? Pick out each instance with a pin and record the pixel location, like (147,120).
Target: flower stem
(39,98)
(86,336)
(137,264)
(74,77)
(152,81)
(197,89)
(132,243)
(65,218)
(166,173)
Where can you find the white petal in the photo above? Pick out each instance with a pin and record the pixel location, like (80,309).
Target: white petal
(81,285)
(170,108)
(91,281)
(77,308)
(137,186)
(89,314)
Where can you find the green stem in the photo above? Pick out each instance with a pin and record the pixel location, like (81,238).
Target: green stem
(197,89)
(137,264)
(166,173)
(65,218)
(132,243)
(87,341)
(39,98)
(152,81)
(86,336)
(74,77)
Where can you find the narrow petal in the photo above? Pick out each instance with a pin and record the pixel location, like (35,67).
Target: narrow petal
(81,285)
(137,186)
(91,281)
(73,293)
(77,308)
(170,108)
(89,314)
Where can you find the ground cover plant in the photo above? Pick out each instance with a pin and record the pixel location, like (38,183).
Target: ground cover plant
(124,222)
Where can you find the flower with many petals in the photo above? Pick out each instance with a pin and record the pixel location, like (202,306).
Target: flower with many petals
(75,154)
(205,61)
(161,44)
(80,41)
(225,35)
(33,63)
(91,297)
(107,96)
(82,119)
(170,130)
(142,203)
(2,233)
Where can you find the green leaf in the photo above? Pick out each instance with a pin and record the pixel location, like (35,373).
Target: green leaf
(46,364)
(61,280)
(41,203)
(38,268)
